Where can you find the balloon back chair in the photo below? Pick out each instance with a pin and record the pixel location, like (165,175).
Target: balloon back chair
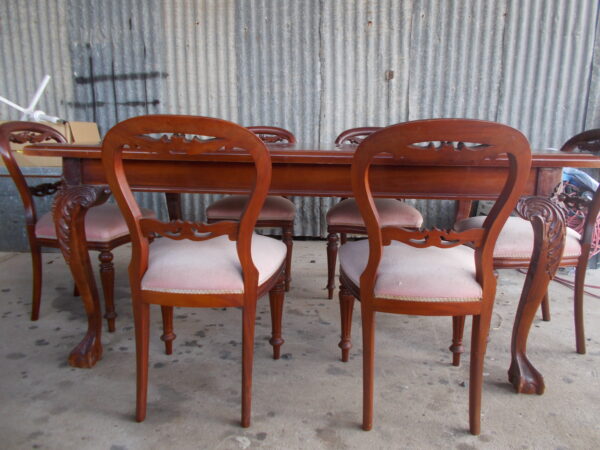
(105,227)
(278,211)
(344,217)
(191,264)
(429,272)
(516,241)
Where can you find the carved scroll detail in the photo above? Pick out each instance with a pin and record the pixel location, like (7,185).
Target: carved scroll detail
(554,227)
(433,237)
(194,231)
(30,137)
(70,199)
(44,189)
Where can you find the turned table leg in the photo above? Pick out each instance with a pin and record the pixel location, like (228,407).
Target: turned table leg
(69,209)
(549,227)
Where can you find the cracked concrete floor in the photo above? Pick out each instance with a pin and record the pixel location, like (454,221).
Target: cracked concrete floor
(308,399)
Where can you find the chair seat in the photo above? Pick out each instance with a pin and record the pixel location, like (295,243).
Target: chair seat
(208,267)
(102,224)
(391,212)
(231,207)
(416,274)
(516,238)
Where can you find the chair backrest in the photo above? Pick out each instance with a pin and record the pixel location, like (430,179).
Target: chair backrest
(457,142)
(26,133)
(273,135)
(588,141)
(355,135)
(171,138)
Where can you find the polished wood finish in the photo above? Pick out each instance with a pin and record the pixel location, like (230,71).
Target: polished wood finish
(182,138)
(272,135)
(399,142)
(31,132)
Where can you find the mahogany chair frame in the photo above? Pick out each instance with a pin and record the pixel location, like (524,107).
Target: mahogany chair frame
(399,141)
(588,141)
(351,136)
(31,132)
(134,133)
(275,135)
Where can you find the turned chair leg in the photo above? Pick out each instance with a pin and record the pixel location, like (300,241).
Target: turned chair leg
(248,322)
(289,243)
(346,309)
(141,316)
(107,276)
(168,336)
(458,327)
(332,249)
(36,298)
(276,298)
(546,308)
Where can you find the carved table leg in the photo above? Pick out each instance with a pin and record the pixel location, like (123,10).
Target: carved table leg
(69,209)
(549,228)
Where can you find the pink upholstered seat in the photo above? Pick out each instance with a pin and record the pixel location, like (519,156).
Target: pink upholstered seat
(102,224)
(230,208)
(206,267)
(405,272)
(516,238)
(391,212)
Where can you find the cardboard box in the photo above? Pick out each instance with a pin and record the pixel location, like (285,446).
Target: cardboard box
(74,133)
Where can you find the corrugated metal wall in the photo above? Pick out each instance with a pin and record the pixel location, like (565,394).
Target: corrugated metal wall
(315,67)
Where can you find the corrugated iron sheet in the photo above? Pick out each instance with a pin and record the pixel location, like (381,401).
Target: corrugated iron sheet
(315,67)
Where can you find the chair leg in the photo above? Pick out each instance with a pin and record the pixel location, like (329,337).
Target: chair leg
(107,275)
(346,309)
(168,336)
(578,306)
(546,308)
(75,290)
(368,330)
(343,238)
(248,321)
(289,243)
(458,328)
(332,249)
(479,335)
(36,264)
(276,297)
(141,316)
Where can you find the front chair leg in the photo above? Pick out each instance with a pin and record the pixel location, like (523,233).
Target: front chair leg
(346,308)
(36,264)
(458,327)
(168,336)
(289,243)
(332,249)
(276,298)
(107,275)
(546,308)
(248,322)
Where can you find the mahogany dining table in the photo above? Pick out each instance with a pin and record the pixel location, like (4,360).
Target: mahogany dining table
(300,169)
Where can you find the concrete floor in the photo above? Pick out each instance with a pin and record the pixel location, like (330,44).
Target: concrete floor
(308,399)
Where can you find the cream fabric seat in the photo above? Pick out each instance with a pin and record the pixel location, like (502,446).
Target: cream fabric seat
(449,273)
(207,267)
(231,207)
(516,238)
(391,212)
(102,224)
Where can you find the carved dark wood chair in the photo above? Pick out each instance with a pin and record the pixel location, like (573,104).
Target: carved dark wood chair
(278,212)
(344,217)
(428,272)
(224,264)
(105,227)
(516,241)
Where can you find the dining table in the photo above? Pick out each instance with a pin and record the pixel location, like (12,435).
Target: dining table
(308,169)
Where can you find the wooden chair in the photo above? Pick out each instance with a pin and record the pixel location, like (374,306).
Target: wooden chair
(224,264)
(105,227)
(344,217)
(278,212)
(438,275)
(515,245)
